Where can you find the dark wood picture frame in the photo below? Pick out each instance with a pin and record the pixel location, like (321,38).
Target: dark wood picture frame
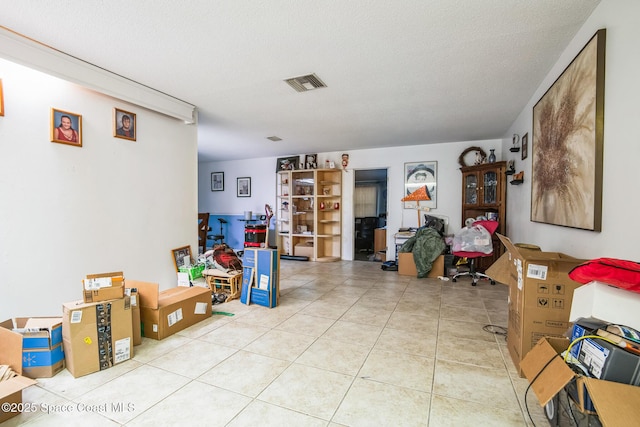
(525,146)
(287,163)
(243,187)
(311,161)
(217,181)
(567,143)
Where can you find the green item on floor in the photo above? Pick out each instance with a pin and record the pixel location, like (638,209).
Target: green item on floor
(222,313)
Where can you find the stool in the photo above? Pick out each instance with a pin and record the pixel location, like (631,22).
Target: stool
(229,284)
(220,236)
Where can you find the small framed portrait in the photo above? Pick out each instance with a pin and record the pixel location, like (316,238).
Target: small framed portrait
(66,127)
(244,187)
(525,146)
(181,256)
(217,181)
(124,124)
(311,161)
(1,100)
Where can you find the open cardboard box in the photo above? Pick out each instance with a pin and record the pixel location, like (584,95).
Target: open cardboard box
(42,353)
(616,404)
(540,295)
(11,390)
(163,313)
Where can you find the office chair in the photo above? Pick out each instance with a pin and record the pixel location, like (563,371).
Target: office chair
(220,236)
(491,227)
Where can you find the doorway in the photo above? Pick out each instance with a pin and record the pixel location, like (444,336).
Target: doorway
(370,213)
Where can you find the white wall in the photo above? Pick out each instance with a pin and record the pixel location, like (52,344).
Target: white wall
(263,172)
(621,146)
(112,205)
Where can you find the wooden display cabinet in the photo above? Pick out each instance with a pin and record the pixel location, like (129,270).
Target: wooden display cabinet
(309,212)
(484,193)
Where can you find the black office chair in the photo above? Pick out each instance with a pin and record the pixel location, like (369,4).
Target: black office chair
(220,237)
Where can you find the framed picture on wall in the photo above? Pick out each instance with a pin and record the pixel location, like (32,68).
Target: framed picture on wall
(421,174)
(66,127)
(1,100)
(124,124)
(525,146)
(217,181)
(244,187)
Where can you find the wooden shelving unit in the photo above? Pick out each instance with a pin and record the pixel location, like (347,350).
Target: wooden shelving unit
(309,214)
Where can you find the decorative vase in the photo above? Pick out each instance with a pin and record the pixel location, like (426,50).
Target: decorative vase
(492,156)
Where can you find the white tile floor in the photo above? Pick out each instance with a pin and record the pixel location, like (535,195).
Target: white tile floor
(348,345)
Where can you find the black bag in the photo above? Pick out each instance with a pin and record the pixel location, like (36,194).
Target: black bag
(435,223)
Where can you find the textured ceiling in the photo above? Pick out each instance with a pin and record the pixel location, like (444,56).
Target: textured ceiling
(399,72)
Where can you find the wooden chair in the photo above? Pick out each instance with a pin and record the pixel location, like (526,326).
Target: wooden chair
(203,228)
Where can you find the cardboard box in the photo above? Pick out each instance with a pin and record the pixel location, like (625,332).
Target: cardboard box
(42,354)
(616,404)
(540,295)
(303,249)
(261,277)
(164,313)
(407,266)
(608,303)
(96,336)
(132,293)
(103,287)
(11,390)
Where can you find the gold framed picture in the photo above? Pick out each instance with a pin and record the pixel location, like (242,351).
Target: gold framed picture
(1,99)
(124,124)
(66,127)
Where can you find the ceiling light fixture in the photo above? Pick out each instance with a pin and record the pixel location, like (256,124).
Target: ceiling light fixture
(305,83)
(274,138)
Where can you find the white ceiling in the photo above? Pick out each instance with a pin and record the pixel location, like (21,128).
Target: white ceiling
(399,72)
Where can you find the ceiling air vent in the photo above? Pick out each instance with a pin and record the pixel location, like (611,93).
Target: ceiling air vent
(305,83)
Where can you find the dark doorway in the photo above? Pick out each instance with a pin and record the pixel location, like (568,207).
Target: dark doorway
(370,212)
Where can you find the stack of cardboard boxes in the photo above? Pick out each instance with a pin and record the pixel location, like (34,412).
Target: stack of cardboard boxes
(97,331)
(540,295)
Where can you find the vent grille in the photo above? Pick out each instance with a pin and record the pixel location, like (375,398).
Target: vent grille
(305,83)
(274,138)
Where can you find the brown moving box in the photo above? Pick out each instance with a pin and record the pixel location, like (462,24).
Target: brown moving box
(11,390)
(96,336)
(616,404)
(540,295)
(103,287)
(132,293)
(165,313)
(407,266)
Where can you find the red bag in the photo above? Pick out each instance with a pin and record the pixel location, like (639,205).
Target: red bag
(620,273)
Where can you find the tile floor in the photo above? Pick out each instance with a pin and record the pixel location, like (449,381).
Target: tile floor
(348,345)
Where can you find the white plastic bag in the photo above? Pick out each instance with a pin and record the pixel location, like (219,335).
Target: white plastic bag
(475,238)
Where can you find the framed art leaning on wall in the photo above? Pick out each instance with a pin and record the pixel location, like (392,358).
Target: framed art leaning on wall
(567,143)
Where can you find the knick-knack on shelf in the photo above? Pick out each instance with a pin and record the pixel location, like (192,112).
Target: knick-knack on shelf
(492,156)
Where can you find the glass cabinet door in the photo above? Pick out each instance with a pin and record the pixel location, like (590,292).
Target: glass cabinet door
(471,189)
(490,183)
